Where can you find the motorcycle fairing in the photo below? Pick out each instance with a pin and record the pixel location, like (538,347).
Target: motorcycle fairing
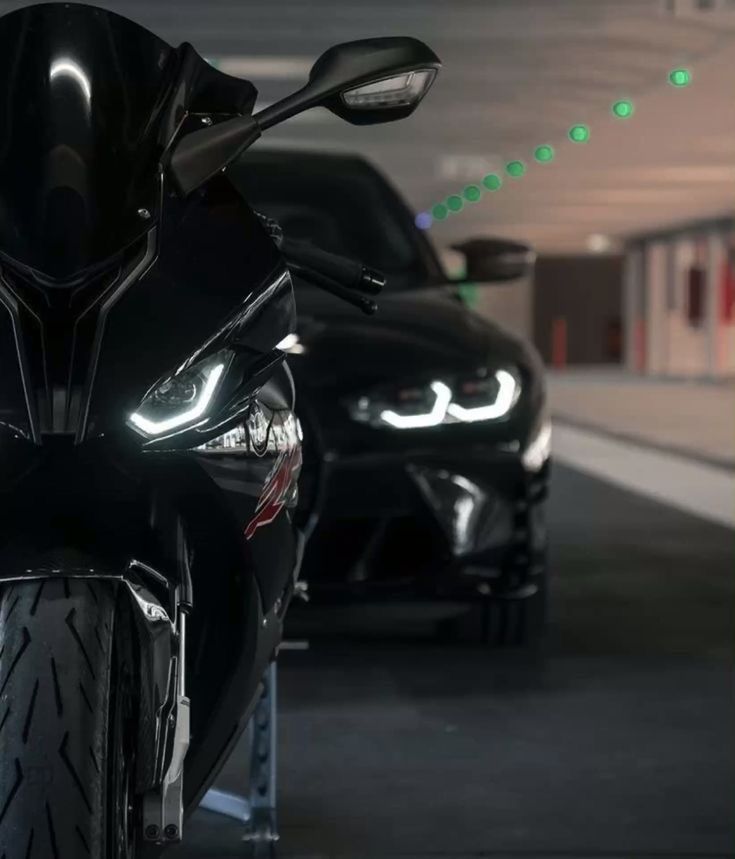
(109,282)
(218,281)
(89,101)
(207,277)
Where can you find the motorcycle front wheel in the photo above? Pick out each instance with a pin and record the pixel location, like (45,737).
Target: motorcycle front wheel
(66,730)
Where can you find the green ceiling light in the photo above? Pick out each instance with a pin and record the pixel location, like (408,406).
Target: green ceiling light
(439,212)
(544,153)
(472,193)
(455,203)
(623,109)
(492,182)
(579,133)
(680,77)
(516,169)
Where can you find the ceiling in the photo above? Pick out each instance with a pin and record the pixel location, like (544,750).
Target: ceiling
(517,73)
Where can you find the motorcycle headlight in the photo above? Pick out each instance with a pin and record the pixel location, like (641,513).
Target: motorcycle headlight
(181,400)
(262,432)
(486,396)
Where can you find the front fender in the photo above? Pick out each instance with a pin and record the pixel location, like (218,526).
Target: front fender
(146,593)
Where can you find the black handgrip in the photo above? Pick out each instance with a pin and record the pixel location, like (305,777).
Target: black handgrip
(367,305)
(347,272)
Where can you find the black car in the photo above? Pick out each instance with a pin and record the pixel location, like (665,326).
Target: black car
(426,433)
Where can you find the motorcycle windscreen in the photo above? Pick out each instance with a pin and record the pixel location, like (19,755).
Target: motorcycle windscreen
(82,94)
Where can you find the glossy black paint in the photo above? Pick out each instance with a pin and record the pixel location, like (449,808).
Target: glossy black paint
(378,535)
(215,265)
(208,277)
(348,65)
(79,150)
(69,507)
(383,539)
(89,101)
(86,329)
(203,153)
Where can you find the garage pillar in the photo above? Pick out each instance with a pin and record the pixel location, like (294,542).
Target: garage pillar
(634,313)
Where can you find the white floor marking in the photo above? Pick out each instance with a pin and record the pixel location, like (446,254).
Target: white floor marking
(697,488)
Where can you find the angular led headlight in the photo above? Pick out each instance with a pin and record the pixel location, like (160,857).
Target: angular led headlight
(401,90)
(181,400)
(420,408)
(483,397)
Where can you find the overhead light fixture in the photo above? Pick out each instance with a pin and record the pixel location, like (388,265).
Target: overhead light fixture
(579,134)
(598,243)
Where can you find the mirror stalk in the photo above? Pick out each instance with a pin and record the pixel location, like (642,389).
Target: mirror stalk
(394,73)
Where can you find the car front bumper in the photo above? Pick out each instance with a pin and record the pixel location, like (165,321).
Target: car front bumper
(428,524)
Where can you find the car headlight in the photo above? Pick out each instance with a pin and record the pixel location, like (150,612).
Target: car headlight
(486,396)
(181,400)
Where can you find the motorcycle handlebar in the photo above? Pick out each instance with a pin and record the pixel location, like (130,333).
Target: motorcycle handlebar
(346,272)
(344,278)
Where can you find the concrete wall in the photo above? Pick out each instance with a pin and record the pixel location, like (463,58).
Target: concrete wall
(583,295)
(508,304)
(679,317)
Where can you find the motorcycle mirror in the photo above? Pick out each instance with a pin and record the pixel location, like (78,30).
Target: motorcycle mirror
(367,81)
(492,260)
(200,154)
(364,82)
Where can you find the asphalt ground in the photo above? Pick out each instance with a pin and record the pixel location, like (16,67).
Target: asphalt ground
(615,740)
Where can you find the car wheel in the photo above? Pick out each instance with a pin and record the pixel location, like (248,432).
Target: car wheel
(502,621)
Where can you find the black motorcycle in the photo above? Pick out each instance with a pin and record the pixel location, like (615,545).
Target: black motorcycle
(149,451)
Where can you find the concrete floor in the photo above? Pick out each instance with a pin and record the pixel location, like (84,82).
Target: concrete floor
(695,418)
(617,741)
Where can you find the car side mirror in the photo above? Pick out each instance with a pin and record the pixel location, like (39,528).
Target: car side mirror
(363,82)
(491,260)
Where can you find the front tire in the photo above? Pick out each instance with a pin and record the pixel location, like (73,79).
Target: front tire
(61,723)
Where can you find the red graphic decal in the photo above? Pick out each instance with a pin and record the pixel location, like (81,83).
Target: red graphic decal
(276,490)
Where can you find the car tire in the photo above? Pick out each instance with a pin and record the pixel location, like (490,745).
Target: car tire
(502,621)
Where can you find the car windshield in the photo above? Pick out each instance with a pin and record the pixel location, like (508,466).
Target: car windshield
(342,205)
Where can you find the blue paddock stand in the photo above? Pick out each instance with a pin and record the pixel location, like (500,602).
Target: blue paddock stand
(256,810)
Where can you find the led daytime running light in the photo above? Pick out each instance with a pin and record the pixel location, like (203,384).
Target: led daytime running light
(153,428)
(431,419)
(445,410)
(507,387)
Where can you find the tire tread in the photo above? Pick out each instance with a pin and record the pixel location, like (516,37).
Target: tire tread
(55,669)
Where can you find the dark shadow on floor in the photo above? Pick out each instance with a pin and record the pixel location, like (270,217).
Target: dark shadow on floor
(617,740)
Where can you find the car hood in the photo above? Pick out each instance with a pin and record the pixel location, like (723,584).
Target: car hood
(414,333)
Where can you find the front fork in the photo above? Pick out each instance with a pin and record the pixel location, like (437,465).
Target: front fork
(163,805)
(164,710)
